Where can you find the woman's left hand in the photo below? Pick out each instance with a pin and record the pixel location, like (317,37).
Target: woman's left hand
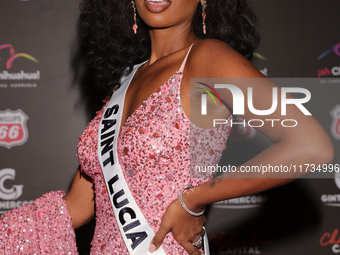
(185,228)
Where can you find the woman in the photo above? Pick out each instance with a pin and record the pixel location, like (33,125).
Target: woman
(166,39)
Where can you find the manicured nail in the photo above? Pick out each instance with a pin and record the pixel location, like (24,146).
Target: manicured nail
(152,248)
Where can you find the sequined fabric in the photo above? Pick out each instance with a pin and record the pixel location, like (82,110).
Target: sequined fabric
(43,227)
(154,153)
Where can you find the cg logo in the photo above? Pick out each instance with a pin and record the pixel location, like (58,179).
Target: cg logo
(14,56)
(336,50)
(13,193)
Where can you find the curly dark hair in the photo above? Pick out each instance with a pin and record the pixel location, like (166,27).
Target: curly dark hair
(112,47)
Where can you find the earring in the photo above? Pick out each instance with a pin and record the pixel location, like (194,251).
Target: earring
(135,27)
(204,6)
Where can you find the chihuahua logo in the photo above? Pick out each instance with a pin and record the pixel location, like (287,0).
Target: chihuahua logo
(13,55)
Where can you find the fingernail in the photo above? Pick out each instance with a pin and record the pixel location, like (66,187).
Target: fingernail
(152,248)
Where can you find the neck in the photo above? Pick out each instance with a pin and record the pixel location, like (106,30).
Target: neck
(169,40)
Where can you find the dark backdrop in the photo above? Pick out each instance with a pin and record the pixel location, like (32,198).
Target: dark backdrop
(46,100)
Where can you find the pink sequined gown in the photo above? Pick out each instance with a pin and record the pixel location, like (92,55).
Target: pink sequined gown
(154,153)
(43,227)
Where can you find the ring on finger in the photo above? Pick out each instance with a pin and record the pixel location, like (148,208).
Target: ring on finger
(199,242)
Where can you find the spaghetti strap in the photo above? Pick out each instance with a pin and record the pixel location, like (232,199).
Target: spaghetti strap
(185,60)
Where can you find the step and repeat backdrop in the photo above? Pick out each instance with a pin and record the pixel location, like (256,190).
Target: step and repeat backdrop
(47,98)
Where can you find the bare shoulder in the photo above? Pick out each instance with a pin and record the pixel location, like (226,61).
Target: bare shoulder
(214,58)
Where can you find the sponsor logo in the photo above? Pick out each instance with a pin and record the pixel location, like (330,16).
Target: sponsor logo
(14,56)
(332,71)
(335,126)
(242,202)
(264,71)
(332,199)
(10,194)
(233,244)
(337,179)
(6,75)
(335,49)
(259,56)
(332,239)
(13,129)
(15,191)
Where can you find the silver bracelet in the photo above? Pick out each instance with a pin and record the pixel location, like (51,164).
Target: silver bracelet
(185,207)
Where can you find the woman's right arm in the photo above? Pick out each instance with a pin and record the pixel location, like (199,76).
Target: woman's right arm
(45,226)
(80,199)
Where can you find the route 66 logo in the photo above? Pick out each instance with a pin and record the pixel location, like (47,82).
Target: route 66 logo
(13,129)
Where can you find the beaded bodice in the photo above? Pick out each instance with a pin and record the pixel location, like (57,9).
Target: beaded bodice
(154,152)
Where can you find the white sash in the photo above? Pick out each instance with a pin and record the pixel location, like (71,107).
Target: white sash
(136,232)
